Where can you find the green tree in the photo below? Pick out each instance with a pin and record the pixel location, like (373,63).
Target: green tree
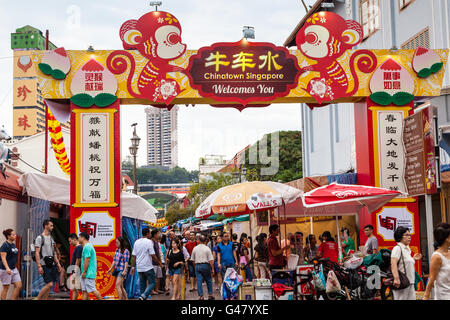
(290,158)
(198,192)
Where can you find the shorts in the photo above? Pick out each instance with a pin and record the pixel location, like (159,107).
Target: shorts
(7,279)
(158,271)
(174,271)
(191,269)
(88,285)
(50,274)
(74,282)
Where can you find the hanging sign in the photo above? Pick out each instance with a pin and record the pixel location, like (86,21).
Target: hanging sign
(418,136)
(95,158)
(243,71)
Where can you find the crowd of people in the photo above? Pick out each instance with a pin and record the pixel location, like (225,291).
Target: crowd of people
(162,261)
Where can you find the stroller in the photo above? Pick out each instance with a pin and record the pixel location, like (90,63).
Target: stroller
(231,283)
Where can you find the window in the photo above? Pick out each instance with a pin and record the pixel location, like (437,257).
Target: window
(402,4)
(422,39)
(369,11)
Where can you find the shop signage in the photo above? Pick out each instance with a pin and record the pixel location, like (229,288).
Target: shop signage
(390,218)
(390,146)
(100,227)
(418,137)
(243,71)
(95,160)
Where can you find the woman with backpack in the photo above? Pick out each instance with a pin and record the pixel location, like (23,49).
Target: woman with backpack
(402,266)
(8,271)
(119,268)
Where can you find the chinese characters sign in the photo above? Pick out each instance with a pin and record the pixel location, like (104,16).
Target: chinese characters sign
(390,147)
(24,93)
(25,122)
(95,157)
(390,218)
(418,136)
(100,227)
(243,71)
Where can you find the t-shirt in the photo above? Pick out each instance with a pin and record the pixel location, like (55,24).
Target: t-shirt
(350,245)
(329,250)
(174,258)
(143,249)
(226,253)
(89,252)
(272,244)
(47,247)
(158,252)
(76,254)
(201,254)
(190,246)
(11,255)
(371,244)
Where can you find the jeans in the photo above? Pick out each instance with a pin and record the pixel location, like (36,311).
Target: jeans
(248,274)
(144,277)
(203,272)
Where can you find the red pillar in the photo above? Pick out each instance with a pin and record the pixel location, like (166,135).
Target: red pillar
(95,183)
(368,167)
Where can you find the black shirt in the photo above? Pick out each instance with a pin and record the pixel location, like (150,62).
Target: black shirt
(174,258)
(11,255)
(76,254)
(263,253)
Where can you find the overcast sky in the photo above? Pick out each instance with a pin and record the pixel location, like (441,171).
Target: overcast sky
(202,129)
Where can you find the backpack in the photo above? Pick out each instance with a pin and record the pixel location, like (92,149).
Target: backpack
(33,247)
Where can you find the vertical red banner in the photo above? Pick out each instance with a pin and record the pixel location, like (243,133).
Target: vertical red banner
(95,182)
(379,161)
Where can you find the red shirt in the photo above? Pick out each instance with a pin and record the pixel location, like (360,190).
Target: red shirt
(190,246)
(272,244)
(329,250)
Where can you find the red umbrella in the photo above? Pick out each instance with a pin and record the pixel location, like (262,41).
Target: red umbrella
(339,199)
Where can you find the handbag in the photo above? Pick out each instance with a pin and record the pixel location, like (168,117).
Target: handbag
(404,281)
(319,279)
(333,284)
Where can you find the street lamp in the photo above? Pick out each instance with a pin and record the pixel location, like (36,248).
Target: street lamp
(133,151)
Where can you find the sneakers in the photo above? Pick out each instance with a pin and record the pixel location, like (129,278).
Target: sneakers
(211,298)
(140,298)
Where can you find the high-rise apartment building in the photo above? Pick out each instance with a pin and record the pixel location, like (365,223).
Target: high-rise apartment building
(162,136)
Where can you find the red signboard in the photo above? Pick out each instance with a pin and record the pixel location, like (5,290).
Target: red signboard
(243,71)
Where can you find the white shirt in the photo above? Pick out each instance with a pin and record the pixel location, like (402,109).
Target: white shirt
(201,254)
(143,249)
(186,254)
(409,261)
(442,284)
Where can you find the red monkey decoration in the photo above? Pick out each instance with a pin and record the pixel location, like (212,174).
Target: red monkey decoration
(157,36)
(325,37)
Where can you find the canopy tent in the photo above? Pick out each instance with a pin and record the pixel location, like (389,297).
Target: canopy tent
(244,217)
(57,190)
(207,225)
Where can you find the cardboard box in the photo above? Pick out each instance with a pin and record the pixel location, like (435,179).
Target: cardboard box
(247,292)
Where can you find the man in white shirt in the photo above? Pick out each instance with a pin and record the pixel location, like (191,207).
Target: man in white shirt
(204,267)
(143,253)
